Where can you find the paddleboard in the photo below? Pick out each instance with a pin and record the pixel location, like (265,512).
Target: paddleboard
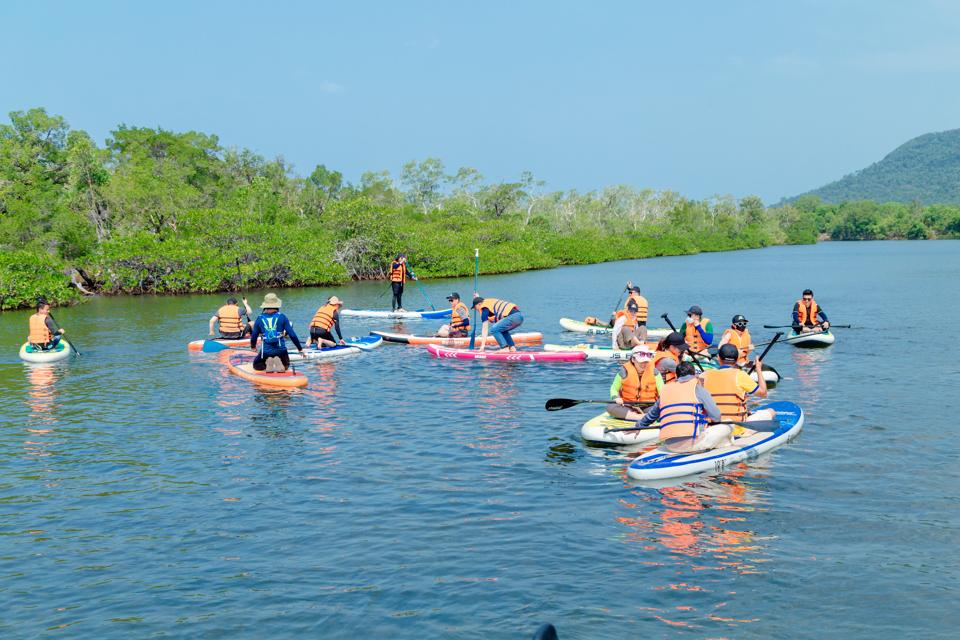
(197,345)
(242,365)
(811,340)
(592,431)
(438,351)
(530,337)
(420,314)
(62,351)
(595,330)
(328,353)
(659,463)
(596,352)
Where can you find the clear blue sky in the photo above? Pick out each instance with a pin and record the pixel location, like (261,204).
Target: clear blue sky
(705,98)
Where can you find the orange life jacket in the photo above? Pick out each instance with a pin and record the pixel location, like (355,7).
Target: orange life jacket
(648,381)
(642,306)
(497,309)
(739,339)
(229,317)
(804,317)
(692,336)
(681,414)
(323,318)
(39,334)
(459,317)
(631,386)
(398,273)
(632,318)
(722,385)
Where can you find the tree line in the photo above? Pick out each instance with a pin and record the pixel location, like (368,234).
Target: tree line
(156,211)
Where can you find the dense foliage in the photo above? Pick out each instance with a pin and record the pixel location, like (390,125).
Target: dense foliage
(925,169)
(158,211)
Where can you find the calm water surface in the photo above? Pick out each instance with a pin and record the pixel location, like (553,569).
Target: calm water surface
(146,492)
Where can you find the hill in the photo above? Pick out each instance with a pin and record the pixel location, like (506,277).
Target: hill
(925,169)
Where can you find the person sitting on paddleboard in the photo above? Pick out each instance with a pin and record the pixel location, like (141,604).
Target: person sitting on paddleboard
(459,326)
(730,385)
(505,316)
(326,317)
(233,324)
(738,336)
(643,309)
(45,333)
(685,410)
(625,327)
(629,385)
(399,272)
(272,328)
(699,330)
(808,315)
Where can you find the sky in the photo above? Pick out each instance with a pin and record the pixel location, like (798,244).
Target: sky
(702,97)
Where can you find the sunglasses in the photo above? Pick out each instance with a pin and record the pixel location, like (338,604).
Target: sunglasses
(741,325)
(808,298)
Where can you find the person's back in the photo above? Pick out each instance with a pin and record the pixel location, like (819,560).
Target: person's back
(726,388)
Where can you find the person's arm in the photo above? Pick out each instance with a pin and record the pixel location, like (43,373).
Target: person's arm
(288,327)
(709,404)
(658,380)
(410,274)
(213,320)
(336,325)
(758,388)
(796,316)
(485,328)
(246,306)
(650,416)
(724,339)
(52,326)
(254,334)
(823,317)
(617,383)
(706,335)
(617,327)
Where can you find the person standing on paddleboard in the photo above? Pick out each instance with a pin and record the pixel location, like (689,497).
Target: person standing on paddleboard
(399,272)
(233,324)
(45,333)
(808,315)
(738,336)
(685,410)
(272,328)
(629,385)
(326,318)
(505,316)
(459,326)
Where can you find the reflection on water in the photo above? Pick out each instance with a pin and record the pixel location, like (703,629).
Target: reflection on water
(41,396)
(808,366)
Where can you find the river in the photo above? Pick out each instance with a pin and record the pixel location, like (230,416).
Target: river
(145,491)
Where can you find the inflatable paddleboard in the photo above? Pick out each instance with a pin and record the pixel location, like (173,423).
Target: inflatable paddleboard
(531,337)
(62,351)
(438,351)
(600,330)
(811,340)
(242,365)
(420,314)
(592,431)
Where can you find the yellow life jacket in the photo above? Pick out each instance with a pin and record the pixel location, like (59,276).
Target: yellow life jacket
(722,385)
(497,310)
(39,334)
(459,317)
(642,306)
(323,318)
(229,317)
(692,336)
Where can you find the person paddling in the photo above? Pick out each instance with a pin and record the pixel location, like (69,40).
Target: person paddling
(738,336)
(233,324)
(625,327)
(808,315)
(730,385)
(629,385)
(643,308)
(326,318)
(685,410)
(698,333)
(272,328)
(459,326)
(505,317)
(45,333)
(399,272)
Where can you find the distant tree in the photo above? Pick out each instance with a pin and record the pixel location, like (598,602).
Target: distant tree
(423,181)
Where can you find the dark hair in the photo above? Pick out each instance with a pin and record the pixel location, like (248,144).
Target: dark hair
(632,305)
(685,369)
(231,301)
(728,352)
(808,292)
(41,304)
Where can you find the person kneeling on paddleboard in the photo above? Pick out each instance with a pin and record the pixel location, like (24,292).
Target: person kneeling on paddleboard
(459,326)
(626,327)
(808,315)
(272,328)
(232,325)
(730,385)
(685,410)
(326,318)
(44,332)
(629,385)
(505,316)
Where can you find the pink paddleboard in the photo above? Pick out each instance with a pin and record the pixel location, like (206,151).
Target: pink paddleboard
(438,351)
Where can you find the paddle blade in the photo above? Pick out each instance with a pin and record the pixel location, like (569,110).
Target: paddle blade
(761,425)
(558,404)
(212,346)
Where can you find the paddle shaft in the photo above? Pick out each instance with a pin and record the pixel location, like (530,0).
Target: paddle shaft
(72,343)
(757,425)
(693,354)
(753,365)
(790,326)
(559,404)
(476,287)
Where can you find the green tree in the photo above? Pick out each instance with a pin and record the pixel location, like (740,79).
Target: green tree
(423,181)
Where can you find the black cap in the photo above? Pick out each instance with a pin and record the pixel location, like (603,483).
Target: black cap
(476,301)
(695,309)
(674,339)
(738,318)
(453,296)
(728,352)
(807,292)
(632,305)
(634,289)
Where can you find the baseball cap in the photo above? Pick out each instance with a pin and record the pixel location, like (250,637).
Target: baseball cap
(728,352)
(738,318)
(695,309)
(674,339)
(476,301)
(453,296)
(641,351)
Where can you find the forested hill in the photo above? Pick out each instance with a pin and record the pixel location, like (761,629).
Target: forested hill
(925,169)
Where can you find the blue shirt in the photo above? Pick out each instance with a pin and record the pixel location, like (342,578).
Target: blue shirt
(281,329)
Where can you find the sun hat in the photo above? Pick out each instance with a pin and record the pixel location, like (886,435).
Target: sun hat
(334,300)
(271,301)
(641,351)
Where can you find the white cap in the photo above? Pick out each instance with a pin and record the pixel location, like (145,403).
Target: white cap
(642,351)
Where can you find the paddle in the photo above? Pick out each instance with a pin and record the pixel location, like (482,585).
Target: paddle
(72,343)
(422,291)
(559,404)
(758,425)
(693,354)
(790,326)
(476,278)
(212,346)
(753,365)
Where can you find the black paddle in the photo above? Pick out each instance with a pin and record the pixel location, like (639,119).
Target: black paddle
(693,354)
(72,343)
(559,404)
(753,365)
(758,425)
(790,326)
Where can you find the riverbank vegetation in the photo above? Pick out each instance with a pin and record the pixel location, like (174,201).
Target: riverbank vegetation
(154,211)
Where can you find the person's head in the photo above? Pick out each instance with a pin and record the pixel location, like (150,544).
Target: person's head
(401,257)
(640,355)
(476,302)
(634,289)
(728,353)
(271,302)
(453,298)
(43,307)
(231,301)
(674,343)
(739,322)
(334,300)
(695,313)
(632,306)
(685,369)
(807,295)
